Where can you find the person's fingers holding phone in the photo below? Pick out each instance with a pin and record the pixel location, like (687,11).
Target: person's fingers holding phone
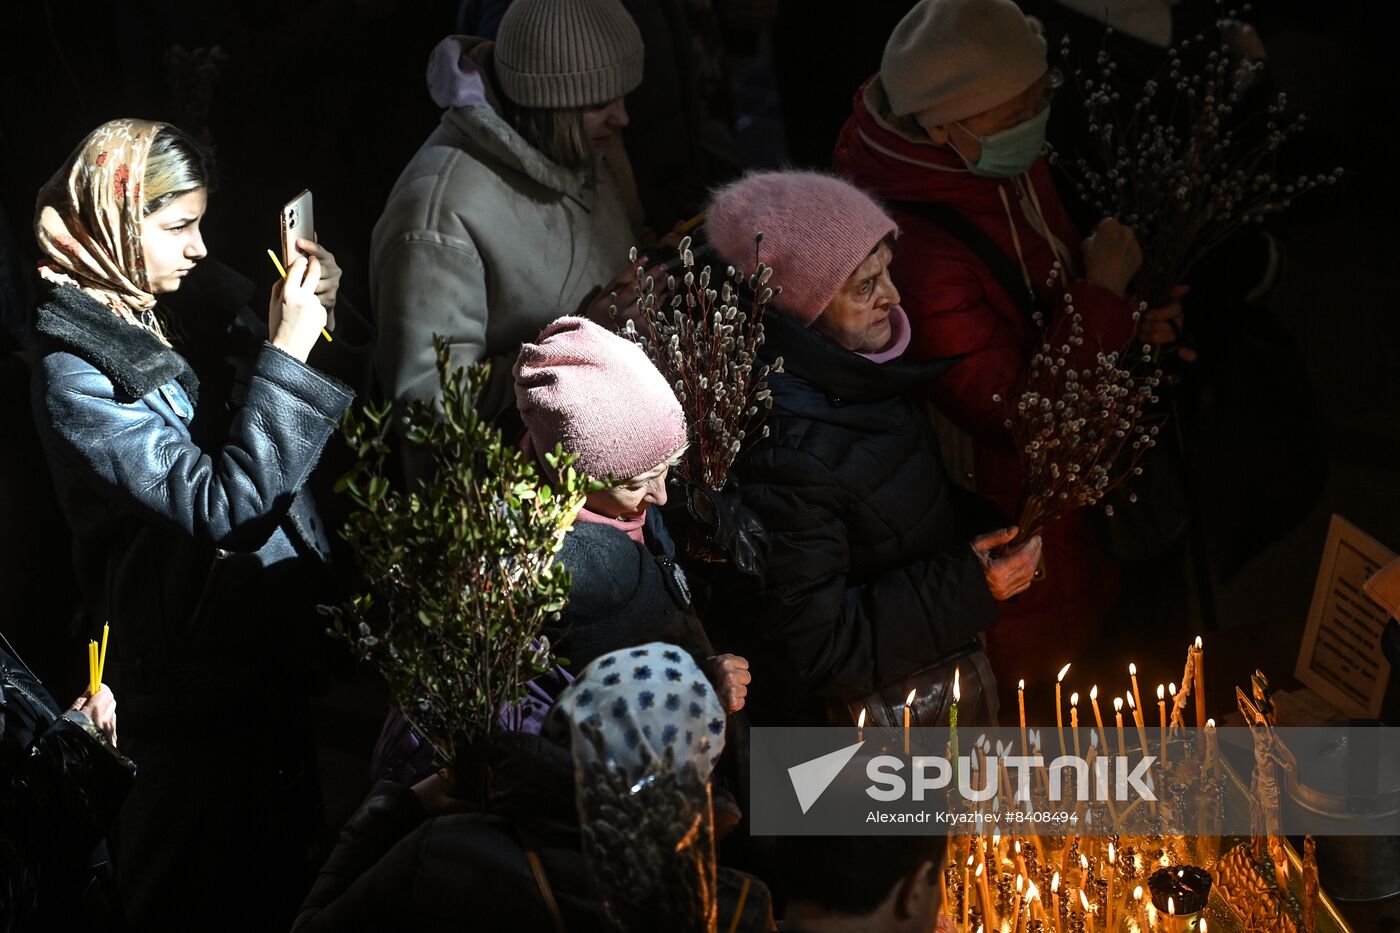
(302,315)
(331,272)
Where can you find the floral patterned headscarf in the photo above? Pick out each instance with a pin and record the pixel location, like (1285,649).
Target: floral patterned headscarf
(88,220)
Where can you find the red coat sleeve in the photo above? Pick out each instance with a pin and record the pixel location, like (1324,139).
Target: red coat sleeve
(955,309)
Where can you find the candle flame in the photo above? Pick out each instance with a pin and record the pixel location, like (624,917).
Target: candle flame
(1117,705)
(1171,906)
(1020,883)
(1074,699)
(1198,643)
(1094,692)
(970,860)
(1055,883)
(1018,847)
(1084,862)
(1161,692)
(1172,689)
(909,700)
(1021,684)
(957,688)
(1203,928)
(1137,893)
(978,873)
(1210,723)
(1132,669)
(1063,671)
(1111,858)
(1084,899)
(1129,698)
(1032,892)
(860,723)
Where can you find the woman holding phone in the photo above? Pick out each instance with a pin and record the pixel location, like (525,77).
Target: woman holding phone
(206,558)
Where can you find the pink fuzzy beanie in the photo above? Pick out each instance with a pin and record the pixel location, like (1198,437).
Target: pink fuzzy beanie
(598,396)
(817,229)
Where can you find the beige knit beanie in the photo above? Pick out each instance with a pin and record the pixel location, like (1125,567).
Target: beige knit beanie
(952,59)
(567,53)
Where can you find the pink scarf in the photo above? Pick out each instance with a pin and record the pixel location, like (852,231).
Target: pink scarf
(631,527)
(899,338)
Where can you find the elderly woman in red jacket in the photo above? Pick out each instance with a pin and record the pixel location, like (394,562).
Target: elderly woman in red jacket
(949,134)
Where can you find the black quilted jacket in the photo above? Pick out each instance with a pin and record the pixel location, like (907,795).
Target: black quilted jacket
(870,577)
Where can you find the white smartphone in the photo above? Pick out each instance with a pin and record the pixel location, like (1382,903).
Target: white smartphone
(297,221)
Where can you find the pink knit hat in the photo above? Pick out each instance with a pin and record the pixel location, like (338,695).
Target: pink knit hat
(597,395)
(817,230)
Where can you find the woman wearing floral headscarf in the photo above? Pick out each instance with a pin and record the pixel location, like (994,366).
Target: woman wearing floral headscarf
(205,560)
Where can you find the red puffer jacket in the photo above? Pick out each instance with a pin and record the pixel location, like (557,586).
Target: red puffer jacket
(957,306)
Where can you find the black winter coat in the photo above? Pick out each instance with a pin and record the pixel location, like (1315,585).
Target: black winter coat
(189,551)
(869,577)
(622,593)
(395,869)
(207,557)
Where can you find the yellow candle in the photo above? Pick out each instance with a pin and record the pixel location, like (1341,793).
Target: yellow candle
(1021,703)
(967,889)
(984,896)
(1118,720)
(1094,702)
(908,705)
(1074,721)
(1200,669)
(1138,723)
(1059,707)
(1088,914)
(1055,900)
(102,655)
(1132,675)
(1112,877)
(1162,711)
(92,667)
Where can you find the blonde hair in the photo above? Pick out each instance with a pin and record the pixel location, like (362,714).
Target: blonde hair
(176,165)
(558,134)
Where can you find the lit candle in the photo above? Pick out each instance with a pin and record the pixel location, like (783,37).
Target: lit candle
(1021,703)
(908,706)
(1055,900)
(1059,714)
(1132,674)
(1112,877)
(985,897)
(1088,914)
(860,726)
(967,889)
(1020,900)
(1138,722)
(953,725)
(1074,721)
(1200,676)
(1118,720)
(1034,908)
(1162,711)
(1098,718)
(1200,669)
(1212,749)
(1138,915)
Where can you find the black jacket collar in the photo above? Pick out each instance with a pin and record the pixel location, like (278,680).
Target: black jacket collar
(132,358)
(840,373)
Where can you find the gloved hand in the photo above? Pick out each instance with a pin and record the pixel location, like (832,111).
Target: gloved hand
(728,526)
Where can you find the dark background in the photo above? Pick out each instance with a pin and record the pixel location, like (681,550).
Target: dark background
(330,95)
